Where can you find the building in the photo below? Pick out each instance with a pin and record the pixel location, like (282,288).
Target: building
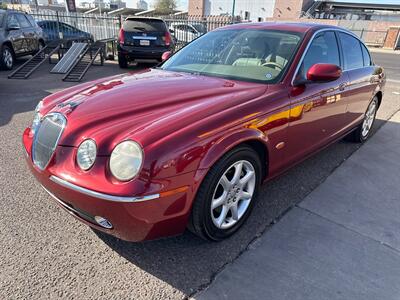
(251,10)
(141,4)
(386,10)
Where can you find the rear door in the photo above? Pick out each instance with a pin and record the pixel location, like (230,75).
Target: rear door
(144,33)
(317,109)
(363,77)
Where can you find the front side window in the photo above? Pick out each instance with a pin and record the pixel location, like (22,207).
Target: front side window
(12,21)
(353,58)
(23,21)
(323,49)
(241,54)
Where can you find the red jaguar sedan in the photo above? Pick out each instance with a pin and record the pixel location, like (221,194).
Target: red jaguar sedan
(187,144)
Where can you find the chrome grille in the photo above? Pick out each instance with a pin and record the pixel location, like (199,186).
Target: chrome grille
(46,139)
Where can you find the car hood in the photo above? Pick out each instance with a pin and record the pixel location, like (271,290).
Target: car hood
(145,106)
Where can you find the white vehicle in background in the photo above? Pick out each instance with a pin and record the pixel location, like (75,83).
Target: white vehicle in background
(187,32)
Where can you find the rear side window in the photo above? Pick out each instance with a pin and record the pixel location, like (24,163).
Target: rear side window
(23,21)
(323,49)
(353,58)
(366,56)
(144,25)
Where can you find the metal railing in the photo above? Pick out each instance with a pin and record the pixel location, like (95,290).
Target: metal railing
(99,27)
(374,38)
(184,29)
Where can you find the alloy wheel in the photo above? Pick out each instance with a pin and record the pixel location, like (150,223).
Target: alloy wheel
(233,194)
(369,119)
(7,58)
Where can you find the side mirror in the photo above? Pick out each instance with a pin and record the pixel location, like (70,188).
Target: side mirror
(13,27)
(324,73)
(166,55)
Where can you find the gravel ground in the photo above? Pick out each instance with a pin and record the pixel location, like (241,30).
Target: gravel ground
(44,253)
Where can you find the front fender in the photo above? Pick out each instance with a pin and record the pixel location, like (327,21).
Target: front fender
(227,142)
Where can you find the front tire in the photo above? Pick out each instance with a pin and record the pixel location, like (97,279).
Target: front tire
(363,131)
(227,194)
(6,58)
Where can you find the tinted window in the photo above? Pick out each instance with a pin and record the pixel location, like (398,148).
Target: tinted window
(366,56)
(31,20)
(323,49)
(23,21)
(12,21)
(1,18)
(353,58)
(145,25)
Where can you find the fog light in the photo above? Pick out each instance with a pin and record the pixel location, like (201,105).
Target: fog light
(103,222)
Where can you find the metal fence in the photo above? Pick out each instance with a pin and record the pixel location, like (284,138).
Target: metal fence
(371,37)
(98,26)
(183,28)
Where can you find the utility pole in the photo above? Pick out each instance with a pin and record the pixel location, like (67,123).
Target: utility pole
(233,9)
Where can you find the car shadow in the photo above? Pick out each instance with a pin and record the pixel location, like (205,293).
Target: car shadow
(188,263)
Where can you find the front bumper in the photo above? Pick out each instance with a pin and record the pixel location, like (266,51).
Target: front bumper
(134,218)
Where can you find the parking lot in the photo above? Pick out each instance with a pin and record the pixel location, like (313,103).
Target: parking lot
(44,253)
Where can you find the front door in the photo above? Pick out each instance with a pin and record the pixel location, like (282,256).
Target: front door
(16,35)
(317,109)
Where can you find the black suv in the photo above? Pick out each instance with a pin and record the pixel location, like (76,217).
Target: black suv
(143,38)
(19,35)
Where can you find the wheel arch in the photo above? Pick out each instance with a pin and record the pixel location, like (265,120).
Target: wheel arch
(9,44)
(379,95)
(253,138)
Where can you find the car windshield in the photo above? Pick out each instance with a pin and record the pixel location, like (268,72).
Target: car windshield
(242,54)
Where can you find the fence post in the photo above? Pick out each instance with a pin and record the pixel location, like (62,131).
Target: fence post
(58,26)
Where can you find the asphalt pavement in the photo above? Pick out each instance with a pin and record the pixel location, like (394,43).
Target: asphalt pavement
(44,253)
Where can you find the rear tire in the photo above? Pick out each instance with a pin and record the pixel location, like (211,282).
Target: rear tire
(122,61)
(7,58)
(363,131)
(227,195)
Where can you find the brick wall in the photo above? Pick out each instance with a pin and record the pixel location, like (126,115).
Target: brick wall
(196,8)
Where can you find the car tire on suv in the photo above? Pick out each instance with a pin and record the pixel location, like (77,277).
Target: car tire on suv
(122,61)
(6,58)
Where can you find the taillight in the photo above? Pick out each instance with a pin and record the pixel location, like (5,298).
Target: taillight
(167,38)
(121,36)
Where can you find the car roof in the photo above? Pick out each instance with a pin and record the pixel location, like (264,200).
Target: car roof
(283,26)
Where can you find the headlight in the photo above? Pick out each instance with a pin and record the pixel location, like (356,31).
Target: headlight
(86,154)
(126,160)
(36,118)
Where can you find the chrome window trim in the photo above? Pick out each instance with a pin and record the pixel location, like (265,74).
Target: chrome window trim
(99,195)
(312,39)
(56,144)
